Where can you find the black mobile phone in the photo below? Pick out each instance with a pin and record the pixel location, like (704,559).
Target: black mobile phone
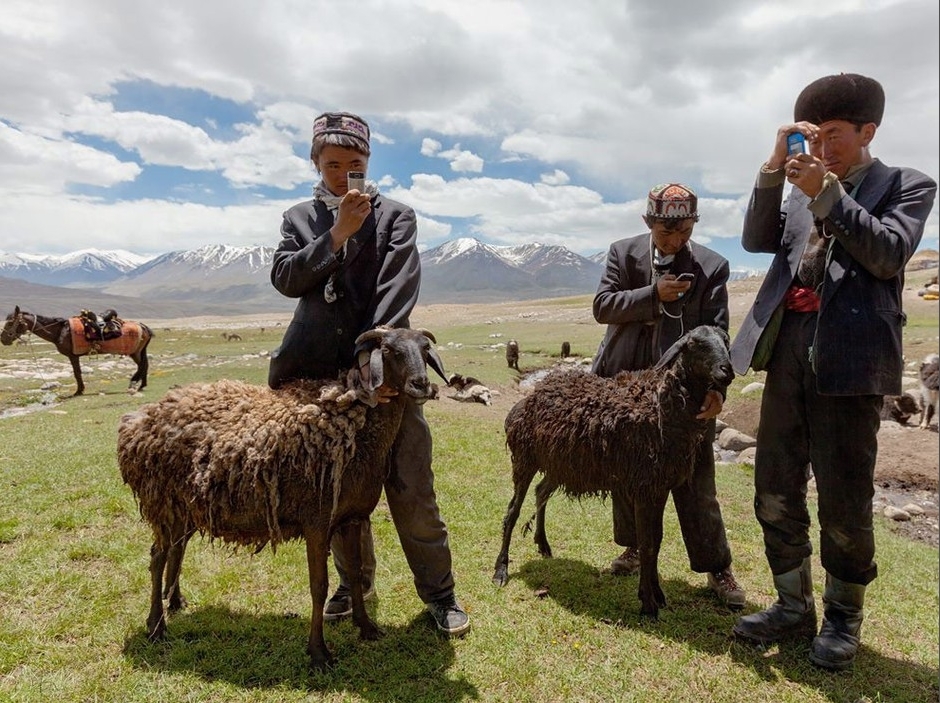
(796,143)
(685,277)
(356,180)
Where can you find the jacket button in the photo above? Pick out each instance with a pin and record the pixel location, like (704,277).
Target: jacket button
(339,331)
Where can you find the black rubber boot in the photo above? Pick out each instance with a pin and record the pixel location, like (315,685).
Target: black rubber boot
(793,615)
(836,644)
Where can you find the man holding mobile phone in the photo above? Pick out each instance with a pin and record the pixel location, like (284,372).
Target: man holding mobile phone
(350,256)
(826,327)
(655,287)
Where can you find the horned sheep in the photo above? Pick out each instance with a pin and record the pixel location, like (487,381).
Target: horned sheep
(636,432)
(252,466)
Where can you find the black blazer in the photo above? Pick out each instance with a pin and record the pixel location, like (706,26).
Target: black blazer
(857,350)
(376,283)
(637,332)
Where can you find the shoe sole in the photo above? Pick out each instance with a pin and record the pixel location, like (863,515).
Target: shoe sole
(453,632)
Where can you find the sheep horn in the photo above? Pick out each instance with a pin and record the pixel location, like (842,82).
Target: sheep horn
(427,334)
(370,335)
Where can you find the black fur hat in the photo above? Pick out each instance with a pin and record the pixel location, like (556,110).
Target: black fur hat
(846,96)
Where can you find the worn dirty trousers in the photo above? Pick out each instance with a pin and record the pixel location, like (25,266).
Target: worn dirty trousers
(835,438)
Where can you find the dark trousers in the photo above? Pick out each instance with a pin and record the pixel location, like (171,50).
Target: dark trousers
(835,437)
(413,505)
(699,513)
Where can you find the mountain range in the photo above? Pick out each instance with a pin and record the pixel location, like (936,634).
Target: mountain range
(227,280)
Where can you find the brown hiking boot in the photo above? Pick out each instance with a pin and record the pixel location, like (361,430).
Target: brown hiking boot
(727,589)
(627,563)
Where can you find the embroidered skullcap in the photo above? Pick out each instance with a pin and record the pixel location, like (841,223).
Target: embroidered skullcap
(672,201)
(342,123)
(846,96)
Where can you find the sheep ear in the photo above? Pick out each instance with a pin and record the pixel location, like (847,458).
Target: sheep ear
(671,353)
(434,361)
(375,368)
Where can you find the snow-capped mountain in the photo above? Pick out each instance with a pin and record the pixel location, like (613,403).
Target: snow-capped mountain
(237,279)
(85,268)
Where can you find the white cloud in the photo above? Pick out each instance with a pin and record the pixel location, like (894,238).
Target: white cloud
(578,108)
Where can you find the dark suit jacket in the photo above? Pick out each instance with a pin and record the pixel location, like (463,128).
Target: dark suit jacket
(626,301)
(857,350)
(376,283)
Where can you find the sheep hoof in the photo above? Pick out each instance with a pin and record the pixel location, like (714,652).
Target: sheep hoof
(500,576)
(370,631)
(321,661)
(156,632)
(177,603)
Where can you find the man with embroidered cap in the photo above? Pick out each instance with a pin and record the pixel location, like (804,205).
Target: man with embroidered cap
(351,258)
(826,326)
(647,304)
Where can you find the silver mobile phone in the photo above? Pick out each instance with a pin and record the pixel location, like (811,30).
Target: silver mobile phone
(356,180)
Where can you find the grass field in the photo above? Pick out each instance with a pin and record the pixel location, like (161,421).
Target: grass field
(74,581)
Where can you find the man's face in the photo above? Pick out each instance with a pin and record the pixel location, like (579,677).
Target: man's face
(670,236)
(841,145)
(335,162)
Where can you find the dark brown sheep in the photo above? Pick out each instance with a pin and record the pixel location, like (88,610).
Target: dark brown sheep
(251,466)
(636,432)
(512,354)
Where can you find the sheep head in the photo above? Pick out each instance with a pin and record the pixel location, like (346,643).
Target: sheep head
(702,354)
(399,359)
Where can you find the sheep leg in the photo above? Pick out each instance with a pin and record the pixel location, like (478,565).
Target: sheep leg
(522,480)
(543,491)
(649,530)
(317,550)
(156,619)
(350,534)
(174,562)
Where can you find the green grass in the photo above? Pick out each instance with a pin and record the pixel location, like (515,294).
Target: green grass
(74,582)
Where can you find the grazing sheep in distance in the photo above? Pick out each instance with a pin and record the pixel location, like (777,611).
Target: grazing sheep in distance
(929,375)
(636,432)
(565,350)
(512,354)
(252,466)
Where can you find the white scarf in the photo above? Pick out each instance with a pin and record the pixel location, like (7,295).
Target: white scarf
(324,194)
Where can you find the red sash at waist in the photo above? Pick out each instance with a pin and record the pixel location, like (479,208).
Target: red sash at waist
(801,300)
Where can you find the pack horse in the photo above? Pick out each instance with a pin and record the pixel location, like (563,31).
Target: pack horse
(69,338)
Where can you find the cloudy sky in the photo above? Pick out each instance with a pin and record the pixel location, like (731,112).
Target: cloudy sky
(160,126)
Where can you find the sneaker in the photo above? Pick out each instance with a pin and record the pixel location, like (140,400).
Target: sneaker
(627,563)
(340,604)
(727,589)
(449,617)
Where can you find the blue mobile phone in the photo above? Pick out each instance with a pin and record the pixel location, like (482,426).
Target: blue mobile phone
(796,143)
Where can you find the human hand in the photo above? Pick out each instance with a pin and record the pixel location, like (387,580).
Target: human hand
(711,406)
(384,394)
(669,288)
(353,210)
(780,154)
(806,173)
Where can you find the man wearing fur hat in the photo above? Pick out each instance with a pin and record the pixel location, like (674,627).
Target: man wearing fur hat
(826,326)
(655,287)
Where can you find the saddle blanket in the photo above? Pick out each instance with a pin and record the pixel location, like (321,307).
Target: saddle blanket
(127,343)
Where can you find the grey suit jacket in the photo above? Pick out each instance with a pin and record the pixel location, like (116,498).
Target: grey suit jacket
(857,349)
(375,283)
(626,301)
